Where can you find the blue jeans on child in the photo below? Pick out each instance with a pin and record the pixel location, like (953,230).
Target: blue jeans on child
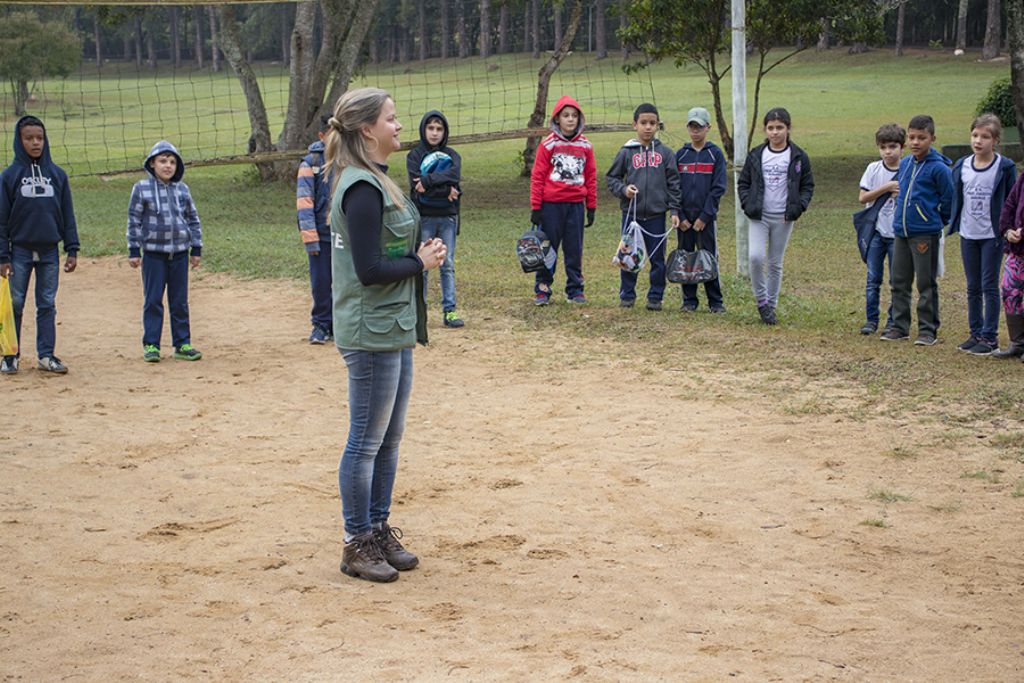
(322,315)
(654,225)
(982,260)
(443,227)
(562,222)
(379,384)
(878,249)
(46,263)
(160,272)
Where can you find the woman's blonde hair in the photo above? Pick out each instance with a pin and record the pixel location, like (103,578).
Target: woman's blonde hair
(345,144)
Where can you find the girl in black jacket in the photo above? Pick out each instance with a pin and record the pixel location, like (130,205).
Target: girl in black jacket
(775,188)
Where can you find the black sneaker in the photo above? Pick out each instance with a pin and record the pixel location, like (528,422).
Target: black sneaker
(869,328)
(982,348)
(893,334)
(767,314)
(653,305)
(1014,350)
(718,308)
(397,556)
(363,559)
(968,344)
(578,299)
(9,365)
(626,303)
(690,308)
(320,335)
(452,319)
(926,339)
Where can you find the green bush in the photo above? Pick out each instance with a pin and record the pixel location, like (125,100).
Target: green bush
(999,101)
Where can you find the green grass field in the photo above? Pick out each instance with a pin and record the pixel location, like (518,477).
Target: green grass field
(837,101)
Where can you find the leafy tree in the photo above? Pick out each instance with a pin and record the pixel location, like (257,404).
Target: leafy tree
(31,49)
(697,32)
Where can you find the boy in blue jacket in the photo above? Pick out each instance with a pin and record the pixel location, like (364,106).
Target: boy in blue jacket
(435,173)
(312,205)
(164,237)
(923,207)
(701,166)
(36,215)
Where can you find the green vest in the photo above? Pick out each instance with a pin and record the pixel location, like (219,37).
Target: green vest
(375,317)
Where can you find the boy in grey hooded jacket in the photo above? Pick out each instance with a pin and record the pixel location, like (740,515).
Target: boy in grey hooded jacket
(164,237)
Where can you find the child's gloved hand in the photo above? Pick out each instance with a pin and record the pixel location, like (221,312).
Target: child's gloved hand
(535,217)
(590,218)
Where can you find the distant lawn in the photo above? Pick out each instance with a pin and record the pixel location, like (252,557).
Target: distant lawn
(837,101)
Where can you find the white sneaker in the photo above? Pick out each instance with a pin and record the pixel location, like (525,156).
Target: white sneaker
(52,364)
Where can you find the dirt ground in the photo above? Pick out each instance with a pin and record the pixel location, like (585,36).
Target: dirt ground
(589,520)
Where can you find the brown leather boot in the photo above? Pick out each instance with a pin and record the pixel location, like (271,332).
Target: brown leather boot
(1015,326)
(363,559)
(397,556)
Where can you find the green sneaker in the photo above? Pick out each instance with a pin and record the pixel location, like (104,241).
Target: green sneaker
(452,319)
(151,353)
(187,352)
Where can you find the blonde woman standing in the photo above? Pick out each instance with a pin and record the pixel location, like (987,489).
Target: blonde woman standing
(377,262)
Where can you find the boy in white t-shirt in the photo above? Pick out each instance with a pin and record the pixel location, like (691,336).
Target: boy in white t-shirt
(879,184)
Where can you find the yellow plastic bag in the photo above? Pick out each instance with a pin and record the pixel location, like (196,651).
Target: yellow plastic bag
(8,335)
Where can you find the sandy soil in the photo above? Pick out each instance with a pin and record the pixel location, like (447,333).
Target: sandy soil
(181,520)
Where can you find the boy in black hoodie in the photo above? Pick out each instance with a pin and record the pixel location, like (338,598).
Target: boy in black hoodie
(434,174)
(36,215)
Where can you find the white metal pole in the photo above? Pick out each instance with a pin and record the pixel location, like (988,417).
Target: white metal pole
(739,127)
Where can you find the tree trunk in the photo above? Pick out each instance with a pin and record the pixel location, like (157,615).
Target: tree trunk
(126,42)
(485,28)
(96,39)
(600,38)
(557,11)
(421,29)
(138,42)
(539,115)
(214,49)
(992,30)
(197,19)
(623,45)
(21,99)
(232,45)
(300,77)
(286,37)
(535,27)
(901,15)
(824,37)
(961,25)
(150,49)
(1015,44)
(503,37)
(461,30)
(446,29)
(175,35)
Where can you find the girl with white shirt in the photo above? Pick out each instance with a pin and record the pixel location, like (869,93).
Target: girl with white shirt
(981,181)
(775,188)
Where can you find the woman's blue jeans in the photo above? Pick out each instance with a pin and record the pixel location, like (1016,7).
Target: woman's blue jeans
(379,384)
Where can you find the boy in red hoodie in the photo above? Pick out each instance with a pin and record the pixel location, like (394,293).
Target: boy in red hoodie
(563,183)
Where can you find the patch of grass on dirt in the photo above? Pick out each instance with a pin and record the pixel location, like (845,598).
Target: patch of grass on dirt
(886,496)
(947,507)
(901,453)
(1018,490)
(880,523)
(981,475)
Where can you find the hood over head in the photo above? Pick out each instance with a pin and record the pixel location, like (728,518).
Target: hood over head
(164,147)
(433,114)
(20,153)
(563,102)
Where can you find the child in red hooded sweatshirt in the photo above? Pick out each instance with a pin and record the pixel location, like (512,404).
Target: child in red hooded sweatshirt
(563,183)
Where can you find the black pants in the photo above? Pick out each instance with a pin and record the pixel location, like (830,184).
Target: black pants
(916,257)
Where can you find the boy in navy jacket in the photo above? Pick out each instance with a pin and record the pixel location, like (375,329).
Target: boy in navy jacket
(643,175)
(164,237)
(923,206)
(701,166)
(312,204)
(36,215)
(435,171)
